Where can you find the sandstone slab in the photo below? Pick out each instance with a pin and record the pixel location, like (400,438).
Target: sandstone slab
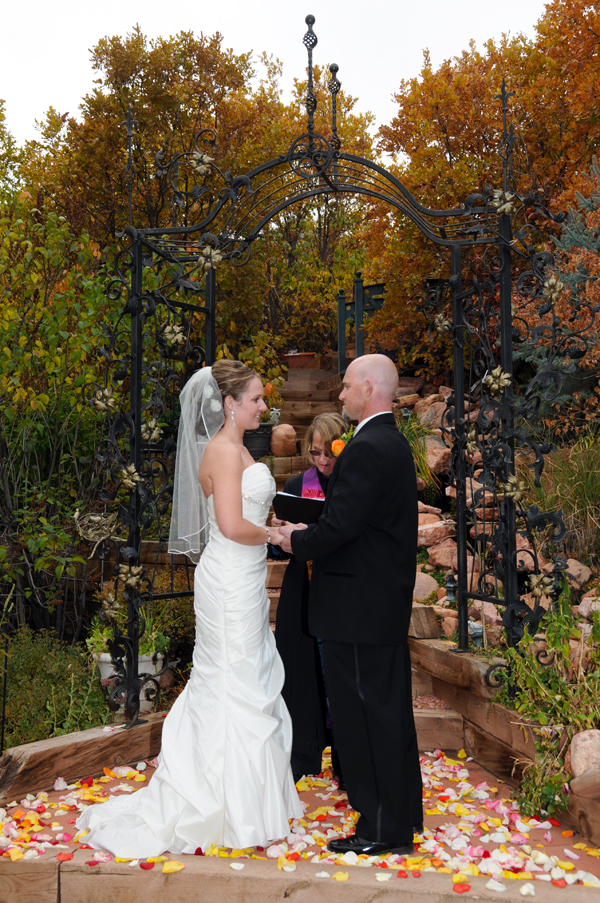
(410,384)
(577,573)
(428,509)
(449,625)
(587,785)
(424,587)
(584,753)
(434,414)
(425,403)
(438,455)
(589,604)
(433,534)
(490,612)
(407,401)
(443,554)
(426,518)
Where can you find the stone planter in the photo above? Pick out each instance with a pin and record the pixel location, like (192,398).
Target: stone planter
(258,441)
(145,666)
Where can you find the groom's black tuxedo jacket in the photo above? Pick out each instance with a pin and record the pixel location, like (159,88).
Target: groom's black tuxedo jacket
(364,544)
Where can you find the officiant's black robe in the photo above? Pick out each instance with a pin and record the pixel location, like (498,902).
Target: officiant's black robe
(303,688)
(363,549)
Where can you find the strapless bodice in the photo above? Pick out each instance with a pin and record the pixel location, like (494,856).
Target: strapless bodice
(258,489)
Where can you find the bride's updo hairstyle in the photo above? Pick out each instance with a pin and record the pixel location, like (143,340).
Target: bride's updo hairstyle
(232,378)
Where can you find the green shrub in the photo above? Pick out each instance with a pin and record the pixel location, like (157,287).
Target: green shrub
(559,688)
(52,689)
(571,482)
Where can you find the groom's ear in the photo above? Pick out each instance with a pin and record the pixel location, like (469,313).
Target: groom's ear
(368,387)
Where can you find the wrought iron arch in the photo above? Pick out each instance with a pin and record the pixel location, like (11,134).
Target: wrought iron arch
(165,272)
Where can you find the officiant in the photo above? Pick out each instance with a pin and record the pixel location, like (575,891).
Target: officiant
(304,690)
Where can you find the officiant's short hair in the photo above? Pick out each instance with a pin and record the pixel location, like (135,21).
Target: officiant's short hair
(329,427)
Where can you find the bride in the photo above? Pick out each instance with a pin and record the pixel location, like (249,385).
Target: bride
(223,772)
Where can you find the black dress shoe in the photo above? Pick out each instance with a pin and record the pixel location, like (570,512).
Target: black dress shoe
(358,845)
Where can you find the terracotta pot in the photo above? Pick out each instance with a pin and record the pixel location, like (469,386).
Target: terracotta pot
(298,360)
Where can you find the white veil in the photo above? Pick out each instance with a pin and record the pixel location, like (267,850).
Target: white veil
(202,416)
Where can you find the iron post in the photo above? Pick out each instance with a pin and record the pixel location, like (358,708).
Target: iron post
(359,304)
(341,303)
(211,304)
(459,427)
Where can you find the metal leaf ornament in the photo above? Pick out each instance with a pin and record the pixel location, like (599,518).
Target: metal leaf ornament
(503,201)
(514,488)
(497,380)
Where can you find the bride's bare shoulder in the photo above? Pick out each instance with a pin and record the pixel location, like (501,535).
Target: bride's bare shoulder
(221,455)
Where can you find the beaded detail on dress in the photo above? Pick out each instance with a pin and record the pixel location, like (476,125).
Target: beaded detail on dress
(249,498)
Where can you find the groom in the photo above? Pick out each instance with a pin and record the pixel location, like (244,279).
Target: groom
(364,550)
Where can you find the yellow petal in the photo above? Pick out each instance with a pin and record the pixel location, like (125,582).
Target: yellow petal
(15,854)
(461,754)
(471,869)
(157,859)
(172,866)
(459,878)
(340,876)
(302,787)
(567,866)
(142,777)
(445,870)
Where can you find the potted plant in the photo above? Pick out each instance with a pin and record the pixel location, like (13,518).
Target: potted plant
(258,441)
(296,359)
(153,645)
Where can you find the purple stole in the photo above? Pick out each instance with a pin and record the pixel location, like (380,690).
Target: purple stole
(311,488)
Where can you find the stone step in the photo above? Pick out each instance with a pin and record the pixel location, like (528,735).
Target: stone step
(273,603)
(305,377)
(333,382)
(294,393)
(300,414)
(289,466)
(275,572)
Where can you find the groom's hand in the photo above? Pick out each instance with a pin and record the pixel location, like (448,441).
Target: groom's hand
(286,533)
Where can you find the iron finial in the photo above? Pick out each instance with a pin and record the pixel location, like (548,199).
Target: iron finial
(310,42)
(334,86)
(508,139)
(129,170)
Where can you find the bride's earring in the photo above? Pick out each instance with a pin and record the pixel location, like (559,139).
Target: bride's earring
(232,419)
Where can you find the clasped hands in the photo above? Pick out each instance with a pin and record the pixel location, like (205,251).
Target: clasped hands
(281,532)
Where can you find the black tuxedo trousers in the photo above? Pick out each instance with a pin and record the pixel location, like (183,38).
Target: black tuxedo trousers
(363,549)
(370,699)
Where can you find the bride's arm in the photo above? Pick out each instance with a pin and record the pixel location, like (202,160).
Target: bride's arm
(225,473)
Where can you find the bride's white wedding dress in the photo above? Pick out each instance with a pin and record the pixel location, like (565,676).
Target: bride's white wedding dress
(224,773)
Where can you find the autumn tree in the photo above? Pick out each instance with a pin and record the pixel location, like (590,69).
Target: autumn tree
(445,140)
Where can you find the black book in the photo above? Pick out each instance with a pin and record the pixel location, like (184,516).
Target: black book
(297,510)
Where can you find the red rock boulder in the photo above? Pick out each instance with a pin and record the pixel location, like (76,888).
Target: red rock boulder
(283,441)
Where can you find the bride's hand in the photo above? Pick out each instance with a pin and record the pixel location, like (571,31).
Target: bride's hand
(276,535)
(275,522)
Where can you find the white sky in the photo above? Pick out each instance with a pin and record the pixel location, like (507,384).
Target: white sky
(45,59)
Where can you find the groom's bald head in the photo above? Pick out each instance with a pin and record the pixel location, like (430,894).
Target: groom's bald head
(380,372)
(370,383)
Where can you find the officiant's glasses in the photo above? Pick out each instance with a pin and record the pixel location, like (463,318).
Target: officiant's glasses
(321,453)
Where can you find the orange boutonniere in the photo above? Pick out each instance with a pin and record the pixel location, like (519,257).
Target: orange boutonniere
(338,445)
